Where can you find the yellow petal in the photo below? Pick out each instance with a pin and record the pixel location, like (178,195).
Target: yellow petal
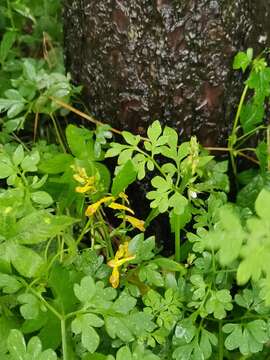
(93,207)
(123,196)
(114,278)
(82,172)
(79,179)
(117,206)
(139,224)
(84,189)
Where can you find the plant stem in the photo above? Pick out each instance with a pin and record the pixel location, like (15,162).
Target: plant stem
(233,136)
(268,147)
(220,341)
(109,248)
(84,230)
(177,240)
(10,15)
(58,133)
(64,339)
(239,109)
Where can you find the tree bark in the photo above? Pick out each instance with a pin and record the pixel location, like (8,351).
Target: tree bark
(141,60)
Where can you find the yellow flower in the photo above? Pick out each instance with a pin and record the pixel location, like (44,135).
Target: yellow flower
(117,206)
(94,207)
(121,257)
(124,197)
(136,223)
(85,188)
(82,178)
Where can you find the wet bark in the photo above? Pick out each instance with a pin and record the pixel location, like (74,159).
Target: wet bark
(141,60)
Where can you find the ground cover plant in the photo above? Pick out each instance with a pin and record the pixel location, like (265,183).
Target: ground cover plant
(81,275)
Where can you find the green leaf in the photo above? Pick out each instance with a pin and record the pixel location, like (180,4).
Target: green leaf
(259,81)
(169,264)
(42,198)
(218,303)
(141,248)
(16,344)
(26,261)
(228,237)
(30,307)
(6,324)
(116,327)
(249,337)
(18,155)
(179,203)
(115,149)
(161,184)
(124,304)
(80,142)
(39,226)
(148,273)
(242,60)
(154,131)
(125,177)
(23,10)
(61,283)
(130,138)
(124,354)
(15,110)
(7,42)
(30,162)
(6,167)
(18,350)
(255,252)
(83,324)
(247,196)
(9,284)
(262,204)
(57,164)
(251,115)
(86,290)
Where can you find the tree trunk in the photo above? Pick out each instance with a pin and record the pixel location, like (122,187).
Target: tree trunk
(141,60)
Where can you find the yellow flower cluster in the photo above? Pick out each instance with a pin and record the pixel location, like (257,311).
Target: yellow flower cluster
(136,223)
(121,257)
(81,177)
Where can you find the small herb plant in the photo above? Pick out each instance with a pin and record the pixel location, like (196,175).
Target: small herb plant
(81,276)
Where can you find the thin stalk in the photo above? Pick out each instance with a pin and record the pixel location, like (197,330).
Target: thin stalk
(11,16)
(177,241)
(233,136)
(59,317)
(268,147)
(109,248)
(64,339)
(251,132)
(84,231)
(58,133)
(220,341)
(239,109)
(48,306)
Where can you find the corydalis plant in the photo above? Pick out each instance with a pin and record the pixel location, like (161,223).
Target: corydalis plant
(181,171)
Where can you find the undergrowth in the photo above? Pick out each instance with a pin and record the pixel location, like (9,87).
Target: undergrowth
(79,279)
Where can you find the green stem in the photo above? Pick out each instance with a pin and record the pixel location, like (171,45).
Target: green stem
(233,136)
(109,248)
(249,133)
(239,109)
(85,229)
(64,339)
(268,147)
(177,240)
(11,16)
(58,133)
(220,341)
